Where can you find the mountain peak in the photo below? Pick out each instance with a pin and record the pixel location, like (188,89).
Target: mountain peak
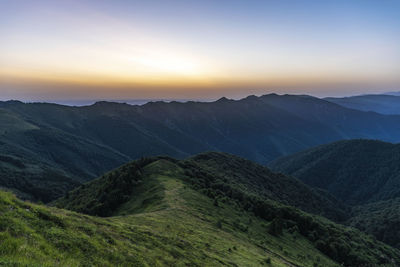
(252,97)
(10,102)
(108,103)
(223,99)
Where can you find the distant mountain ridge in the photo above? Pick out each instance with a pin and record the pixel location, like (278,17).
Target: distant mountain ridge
(84,142)
(384,103)
(397,93)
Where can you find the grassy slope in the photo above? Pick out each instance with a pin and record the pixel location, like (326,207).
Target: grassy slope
(177,228)
(184,213)
(101,196)
(238,199)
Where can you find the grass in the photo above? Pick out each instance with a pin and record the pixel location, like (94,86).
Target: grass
(168,224)
(192,220)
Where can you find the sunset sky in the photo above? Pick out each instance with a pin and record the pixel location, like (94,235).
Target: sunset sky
(54,50)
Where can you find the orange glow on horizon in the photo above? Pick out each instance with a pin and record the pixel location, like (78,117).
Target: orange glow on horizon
(78,48)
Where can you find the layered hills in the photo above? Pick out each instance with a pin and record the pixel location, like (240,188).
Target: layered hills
(364,174)
(213,169)
(384,104)
(156,216)
(354,171)
(81,143)
(225,193)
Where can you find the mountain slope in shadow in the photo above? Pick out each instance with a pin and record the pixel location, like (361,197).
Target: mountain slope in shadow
(364,174)
(82,143)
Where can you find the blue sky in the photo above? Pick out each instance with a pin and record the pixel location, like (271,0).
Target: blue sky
(197,49)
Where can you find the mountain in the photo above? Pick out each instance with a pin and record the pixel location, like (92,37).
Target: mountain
(204,193)
(223,169)
(165,223)
(381,219)
(263,128)
(354,171)
(361,173)
(42,163)
(81,143)
(393,93)
(384,104)
(33,180)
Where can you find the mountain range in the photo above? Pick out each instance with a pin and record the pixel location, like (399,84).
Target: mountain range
(282,180)
(80,143)
(384,104)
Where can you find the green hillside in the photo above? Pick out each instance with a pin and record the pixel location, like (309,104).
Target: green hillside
(355,171)
(362,173)
(381,219)
(172,195)
(223,169)
(41,163)
(258,180)
(181,227)
(33,180)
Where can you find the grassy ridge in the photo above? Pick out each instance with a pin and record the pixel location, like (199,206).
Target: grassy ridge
(182,228)
(234,204)
(343,244)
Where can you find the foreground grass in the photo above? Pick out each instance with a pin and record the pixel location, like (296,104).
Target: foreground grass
(167,224)
(217,235)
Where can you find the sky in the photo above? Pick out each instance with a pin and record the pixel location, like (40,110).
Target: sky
(183,49)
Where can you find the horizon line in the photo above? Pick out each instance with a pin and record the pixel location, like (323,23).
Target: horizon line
(82,102)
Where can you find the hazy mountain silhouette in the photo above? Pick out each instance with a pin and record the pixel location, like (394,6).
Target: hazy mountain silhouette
(384,104)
